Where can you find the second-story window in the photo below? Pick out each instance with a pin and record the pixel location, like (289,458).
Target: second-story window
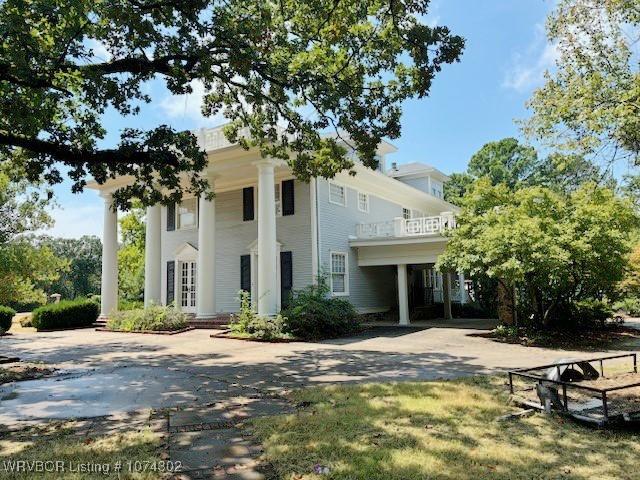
(406,213)
(278,200)
(337,194)
(363,202)
(187,213)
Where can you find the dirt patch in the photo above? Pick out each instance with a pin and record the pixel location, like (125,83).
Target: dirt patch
(566,339)
(23,371)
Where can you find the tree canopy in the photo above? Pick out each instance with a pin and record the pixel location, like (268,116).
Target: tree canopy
(590,105)
(557,248)
(515,165)
(84,257)
(286,70)
(131,255)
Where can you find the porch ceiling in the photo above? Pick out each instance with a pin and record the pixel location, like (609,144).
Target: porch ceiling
(397,251)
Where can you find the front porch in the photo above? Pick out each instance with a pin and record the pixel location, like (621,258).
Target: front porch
(191,247)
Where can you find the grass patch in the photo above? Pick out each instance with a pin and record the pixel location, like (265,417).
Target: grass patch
(436,430)
(64,442)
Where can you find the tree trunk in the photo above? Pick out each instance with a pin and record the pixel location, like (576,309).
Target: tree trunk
(506,304)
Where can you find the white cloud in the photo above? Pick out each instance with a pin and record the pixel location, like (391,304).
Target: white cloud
(527,69)
(188,106)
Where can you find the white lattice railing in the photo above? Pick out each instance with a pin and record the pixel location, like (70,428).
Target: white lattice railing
(411,227)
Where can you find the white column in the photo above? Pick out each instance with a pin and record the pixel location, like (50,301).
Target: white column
(152,267)
(403,295)
(446,294)
(267,276)
(109,283)
(206,267)
(463,292)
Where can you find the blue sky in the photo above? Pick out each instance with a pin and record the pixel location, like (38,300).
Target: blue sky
(471,103)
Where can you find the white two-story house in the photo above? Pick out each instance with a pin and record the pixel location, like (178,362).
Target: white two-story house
(375,237)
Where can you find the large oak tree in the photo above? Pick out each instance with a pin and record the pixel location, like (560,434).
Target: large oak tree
(304,65)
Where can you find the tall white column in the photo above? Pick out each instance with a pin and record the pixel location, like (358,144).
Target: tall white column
(109,283)
(403,295)
(446,295)
(463,292)
(267,276)
(152,267)
(206,267)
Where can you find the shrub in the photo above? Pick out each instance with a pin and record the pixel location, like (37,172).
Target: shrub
(629,305)
(248,323)
(6,317)
(154,318)
(312,314)
(124,304)
(65,314)
(589,313)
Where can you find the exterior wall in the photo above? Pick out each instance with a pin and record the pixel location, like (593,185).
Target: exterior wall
(421,183)
(233,237)
(370,288)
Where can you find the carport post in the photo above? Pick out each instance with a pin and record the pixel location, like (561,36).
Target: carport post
(446,294)
(403,295)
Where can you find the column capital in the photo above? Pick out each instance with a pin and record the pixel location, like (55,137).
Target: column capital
(269,162)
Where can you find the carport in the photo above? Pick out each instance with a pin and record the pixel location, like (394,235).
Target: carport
(414,258)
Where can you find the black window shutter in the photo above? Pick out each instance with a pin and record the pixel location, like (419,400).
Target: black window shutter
(171,278)
(286,277)
(171,217)
(245,273)
(247,204)
(287,198)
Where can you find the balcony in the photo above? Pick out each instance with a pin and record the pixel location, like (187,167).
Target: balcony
(407,227)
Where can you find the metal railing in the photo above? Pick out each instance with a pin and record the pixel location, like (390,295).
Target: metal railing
(407,227)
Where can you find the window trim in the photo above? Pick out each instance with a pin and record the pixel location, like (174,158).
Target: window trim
(177,215)
(368,197)
(346,273)
(344,189)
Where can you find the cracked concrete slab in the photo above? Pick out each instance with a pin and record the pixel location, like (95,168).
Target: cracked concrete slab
(115,372)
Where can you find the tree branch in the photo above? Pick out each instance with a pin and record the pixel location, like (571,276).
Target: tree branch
(76,156)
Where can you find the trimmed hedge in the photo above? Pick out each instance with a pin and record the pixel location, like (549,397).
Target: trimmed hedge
(6,316)
(65,314)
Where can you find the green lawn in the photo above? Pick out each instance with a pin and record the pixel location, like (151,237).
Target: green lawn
(63,441)
(436,430)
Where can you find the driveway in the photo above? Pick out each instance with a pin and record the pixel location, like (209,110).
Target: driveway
(104,373)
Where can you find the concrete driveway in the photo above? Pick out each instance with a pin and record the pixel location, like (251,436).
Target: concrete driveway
(105,373)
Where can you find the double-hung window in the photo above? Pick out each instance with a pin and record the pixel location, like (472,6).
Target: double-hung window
(278,200)
(363,202)
(187,213)
(339,274)
(337,194)
(406,213)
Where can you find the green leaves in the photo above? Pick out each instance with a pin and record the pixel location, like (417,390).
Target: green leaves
(558,248)
(306,66)
(591,104)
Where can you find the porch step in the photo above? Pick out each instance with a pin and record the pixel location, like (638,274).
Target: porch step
(218,322)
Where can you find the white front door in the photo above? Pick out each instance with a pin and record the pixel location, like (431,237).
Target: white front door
(187,286)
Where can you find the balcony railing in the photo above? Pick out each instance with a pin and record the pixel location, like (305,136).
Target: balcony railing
(407,227)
